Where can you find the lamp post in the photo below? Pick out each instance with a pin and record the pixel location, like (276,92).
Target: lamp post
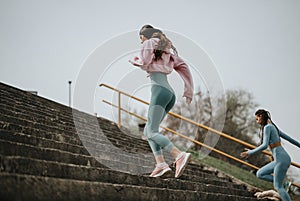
(70,82)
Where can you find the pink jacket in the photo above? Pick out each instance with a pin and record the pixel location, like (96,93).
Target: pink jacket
(166,64)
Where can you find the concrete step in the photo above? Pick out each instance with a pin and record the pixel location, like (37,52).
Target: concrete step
(29,166)
(109,131)
(27,187)
(36,142)
(18,149)
(49,151)
(41,124)
(15,97)
(33,140)
(101,157)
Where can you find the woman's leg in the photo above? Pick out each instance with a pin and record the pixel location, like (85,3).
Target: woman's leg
(156,114)
(161,98)
(162,101)
(266,171)
(158,109)
(174,151)
(171,104)
(157,142)
(279,175)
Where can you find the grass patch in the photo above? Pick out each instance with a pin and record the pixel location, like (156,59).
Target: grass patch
(232,170)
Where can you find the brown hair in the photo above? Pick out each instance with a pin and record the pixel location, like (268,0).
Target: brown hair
(164,43)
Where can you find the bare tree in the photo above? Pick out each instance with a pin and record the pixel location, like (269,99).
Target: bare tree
(239,123)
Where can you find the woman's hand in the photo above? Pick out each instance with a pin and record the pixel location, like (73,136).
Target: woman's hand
(134,63)
(244,154)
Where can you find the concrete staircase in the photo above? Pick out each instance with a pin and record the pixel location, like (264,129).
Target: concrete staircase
(49,151)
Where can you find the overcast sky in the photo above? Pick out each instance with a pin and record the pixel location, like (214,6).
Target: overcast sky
(254,44)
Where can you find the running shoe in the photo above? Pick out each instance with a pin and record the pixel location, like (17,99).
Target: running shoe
(287,185)
(181,163)
(160,171)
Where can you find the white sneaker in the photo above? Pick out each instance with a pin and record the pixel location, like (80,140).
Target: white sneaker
(160,171)
(181,163)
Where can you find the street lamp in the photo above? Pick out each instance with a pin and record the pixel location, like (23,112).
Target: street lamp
(70,82)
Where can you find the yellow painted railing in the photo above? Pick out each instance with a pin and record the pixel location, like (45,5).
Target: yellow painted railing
(192,122)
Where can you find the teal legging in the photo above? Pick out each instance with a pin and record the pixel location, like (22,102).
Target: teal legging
(162,101)
(279,167)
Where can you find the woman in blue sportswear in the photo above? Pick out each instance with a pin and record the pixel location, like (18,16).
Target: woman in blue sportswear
(271,137)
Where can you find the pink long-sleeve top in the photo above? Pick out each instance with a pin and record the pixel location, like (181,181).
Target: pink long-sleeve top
(166,64)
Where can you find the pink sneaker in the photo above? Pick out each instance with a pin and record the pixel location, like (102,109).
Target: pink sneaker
(160,171)
(181,163)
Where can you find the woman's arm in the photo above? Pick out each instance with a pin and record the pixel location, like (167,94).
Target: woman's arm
(265,143)
(146,55)
(183,70)
(288,138)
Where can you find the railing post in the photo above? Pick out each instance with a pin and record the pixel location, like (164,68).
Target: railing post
(119,109)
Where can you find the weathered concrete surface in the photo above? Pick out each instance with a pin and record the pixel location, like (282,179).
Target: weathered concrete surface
(42,157)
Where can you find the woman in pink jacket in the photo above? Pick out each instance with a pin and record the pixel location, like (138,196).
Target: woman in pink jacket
(157,59)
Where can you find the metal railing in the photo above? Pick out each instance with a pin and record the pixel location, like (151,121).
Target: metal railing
(192,122)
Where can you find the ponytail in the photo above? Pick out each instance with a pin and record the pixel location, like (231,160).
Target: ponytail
(266,117)
(164,43)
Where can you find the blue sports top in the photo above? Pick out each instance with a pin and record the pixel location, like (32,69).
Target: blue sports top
(270,137)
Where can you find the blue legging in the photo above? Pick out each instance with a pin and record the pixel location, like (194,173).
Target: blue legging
(162,101)
(279,167)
